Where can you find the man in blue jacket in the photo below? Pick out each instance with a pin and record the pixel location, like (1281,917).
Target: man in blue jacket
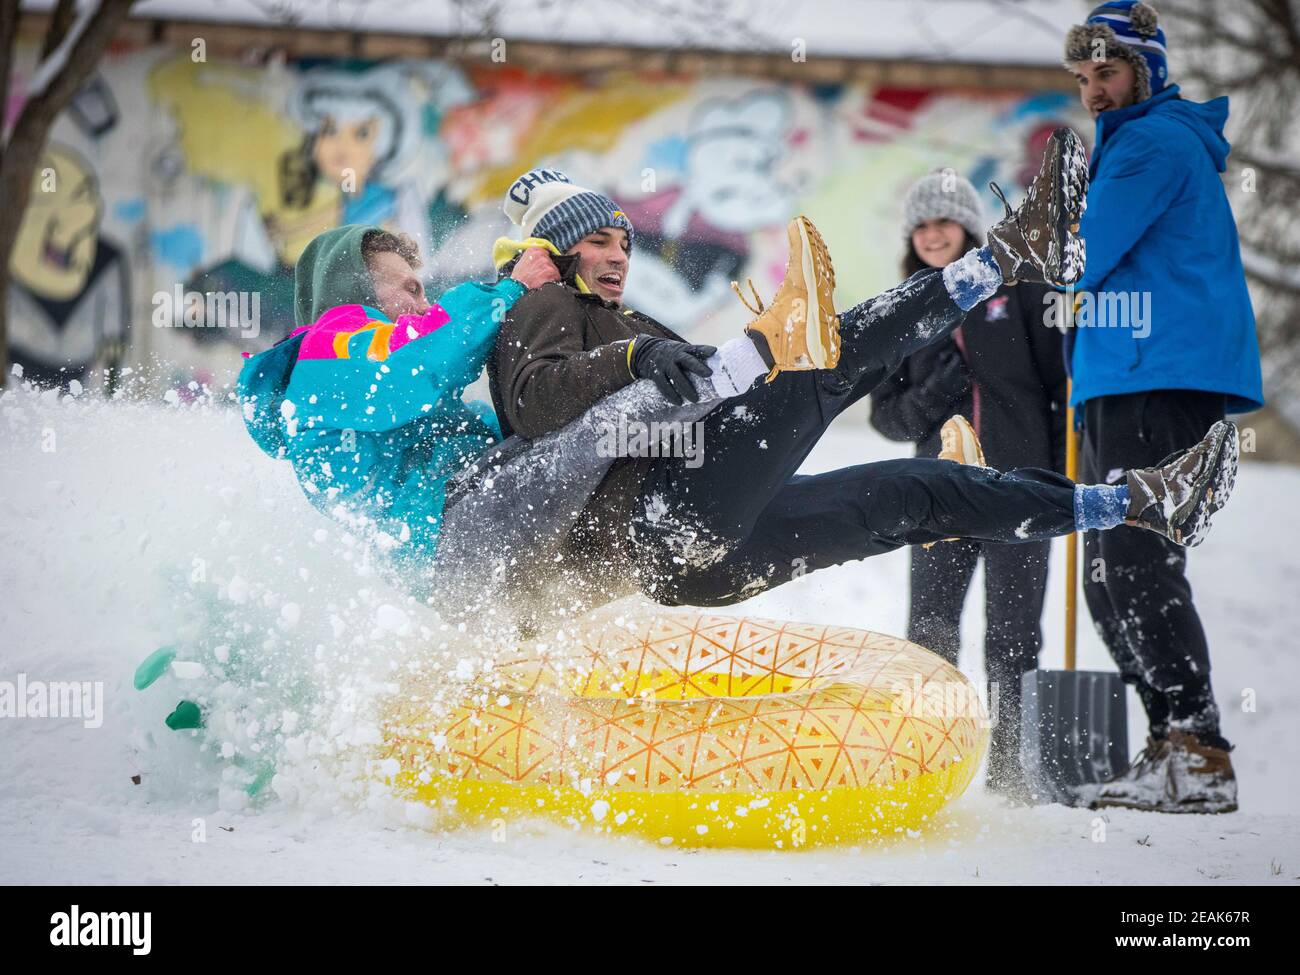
(1163,346)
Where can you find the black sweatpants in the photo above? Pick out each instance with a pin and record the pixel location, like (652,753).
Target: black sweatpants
(742,521)
(1135,581)
(1015,584)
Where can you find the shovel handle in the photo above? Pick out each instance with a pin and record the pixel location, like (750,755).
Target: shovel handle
(1071,541)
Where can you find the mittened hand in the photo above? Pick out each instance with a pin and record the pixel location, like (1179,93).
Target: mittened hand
(535,268)
(668,364)
(950,377)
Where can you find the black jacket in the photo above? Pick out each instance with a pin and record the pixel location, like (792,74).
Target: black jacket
(1012,363)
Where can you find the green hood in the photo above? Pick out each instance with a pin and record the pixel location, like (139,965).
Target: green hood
(332,272)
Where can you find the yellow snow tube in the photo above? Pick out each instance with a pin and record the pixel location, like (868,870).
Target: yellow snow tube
(697,730)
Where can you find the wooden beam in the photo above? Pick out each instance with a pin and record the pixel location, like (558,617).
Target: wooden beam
(240,41)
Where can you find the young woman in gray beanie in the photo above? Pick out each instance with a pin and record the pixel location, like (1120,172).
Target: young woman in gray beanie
(1003,369)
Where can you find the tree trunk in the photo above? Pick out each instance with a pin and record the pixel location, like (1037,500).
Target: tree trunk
(20,154)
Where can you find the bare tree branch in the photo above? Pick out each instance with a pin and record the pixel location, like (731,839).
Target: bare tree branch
(61,21)
(69,65)
(1250,49)
(8,43)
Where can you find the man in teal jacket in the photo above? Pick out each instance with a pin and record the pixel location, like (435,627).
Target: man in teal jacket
(364,398)
(1163,346)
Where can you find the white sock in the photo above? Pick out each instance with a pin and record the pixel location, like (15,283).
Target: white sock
(735,367)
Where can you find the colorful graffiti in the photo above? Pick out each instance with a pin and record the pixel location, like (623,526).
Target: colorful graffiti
(69,289)
(212,177)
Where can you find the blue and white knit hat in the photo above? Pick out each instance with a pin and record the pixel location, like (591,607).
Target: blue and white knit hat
(1126,29)
(545,203)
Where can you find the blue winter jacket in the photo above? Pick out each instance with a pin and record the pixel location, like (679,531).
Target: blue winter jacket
(1158,222)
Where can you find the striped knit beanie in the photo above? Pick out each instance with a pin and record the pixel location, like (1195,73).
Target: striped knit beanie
(1123,29)
(545,203)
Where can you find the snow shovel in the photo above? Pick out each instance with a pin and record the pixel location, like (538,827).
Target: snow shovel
(1073,723)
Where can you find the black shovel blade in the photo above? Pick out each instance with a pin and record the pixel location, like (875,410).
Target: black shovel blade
(1073,732)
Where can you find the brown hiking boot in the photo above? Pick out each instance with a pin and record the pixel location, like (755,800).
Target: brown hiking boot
(800,329)
(1201,779)
(1179,774)
(1040,240)
(1177,497)
(1142,785)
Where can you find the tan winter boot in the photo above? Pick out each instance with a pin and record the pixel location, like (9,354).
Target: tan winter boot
(800,329)
(959,444)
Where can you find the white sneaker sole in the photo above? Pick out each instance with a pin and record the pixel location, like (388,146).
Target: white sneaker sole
(813,316)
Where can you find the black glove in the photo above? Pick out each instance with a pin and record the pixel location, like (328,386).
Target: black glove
(950,378)
(667,363)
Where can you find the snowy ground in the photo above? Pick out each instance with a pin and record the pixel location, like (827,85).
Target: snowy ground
(127,526)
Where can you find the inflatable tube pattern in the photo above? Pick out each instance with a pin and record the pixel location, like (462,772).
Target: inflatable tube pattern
(699,730)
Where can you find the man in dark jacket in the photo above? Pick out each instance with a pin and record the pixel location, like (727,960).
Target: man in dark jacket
(742,521)
(1164,346)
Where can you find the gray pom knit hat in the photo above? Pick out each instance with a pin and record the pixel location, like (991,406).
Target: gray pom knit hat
(545,203)
(1124,29)
(943,195)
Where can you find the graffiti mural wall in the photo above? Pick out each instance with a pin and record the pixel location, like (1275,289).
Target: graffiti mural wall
(175,195)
